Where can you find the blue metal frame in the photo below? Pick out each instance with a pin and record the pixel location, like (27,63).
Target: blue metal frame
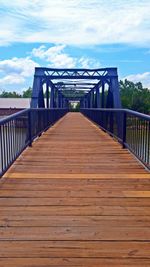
(20,129)
(134,131)
(88,80)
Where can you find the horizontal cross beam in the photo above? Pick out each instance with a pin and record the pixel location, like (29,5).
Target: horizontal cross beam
(93,74)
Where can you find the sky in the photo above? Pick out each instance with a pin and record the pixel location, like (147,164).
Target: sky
(71,34)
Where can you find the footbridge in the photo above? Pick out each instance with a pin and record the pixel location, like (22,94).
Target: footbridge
(75,186)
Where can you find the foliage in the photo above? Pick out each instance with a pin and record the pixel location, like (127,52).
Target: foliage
(27,93)
(134,96)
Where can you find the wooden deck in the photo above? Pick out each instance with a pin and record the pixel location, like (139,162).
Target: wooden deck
(76,198)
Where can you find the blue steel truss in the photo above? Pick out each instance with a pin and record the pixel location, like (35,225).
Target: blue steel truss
(100,87)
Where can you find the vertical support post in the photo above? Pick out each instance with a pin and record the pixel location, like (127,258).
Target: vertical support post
(124,130)
(97,98)
(29,128)
(62,101)
(52,97)
(47,94)
(59,99)
(103,95)
(114,88)
(37,89)
(91,98)
(109,101)
(109,115)
(41,103)
(93,95)
(35,92)
(82,103)
(85,102)
(66,103)
(114,84)
(88,99)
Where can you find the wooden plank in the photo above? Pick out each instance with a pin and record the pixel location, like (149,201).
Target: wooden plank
(75,210)
(63,262)
(77,175)
(76,233)
(88,186)
(77,181)
(72,169)
(74,193)
(74,249)
(75,221)
(111,201)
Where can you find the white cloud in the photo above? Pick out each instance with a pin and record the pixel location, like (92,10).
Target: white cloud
(76,22)
(16,70)
(88,63)
(57,58)
(140,77)
(11,79)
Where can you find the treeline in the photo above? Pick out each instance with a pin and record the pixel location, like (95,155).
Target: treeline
(133,96)
(26,94)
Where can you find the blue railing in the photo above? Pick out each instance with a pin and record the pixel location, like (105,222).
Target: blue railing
(130,128)
(20,129)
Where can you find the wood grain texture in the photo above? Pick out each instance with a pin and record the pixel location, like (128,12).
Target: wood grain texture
(75,198)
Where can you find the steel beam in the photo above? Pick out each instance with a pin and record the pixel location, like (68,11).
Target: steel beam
(97,98)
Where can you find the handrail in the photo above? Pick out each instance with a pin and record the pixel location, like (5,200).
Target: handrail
(130,128)
(19,130)
(130,111)
(12,116)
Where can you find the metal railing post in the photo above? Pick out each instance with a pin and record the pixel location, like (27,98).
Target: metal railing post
(148,145)
(124,130)
(29,128)
(1,149)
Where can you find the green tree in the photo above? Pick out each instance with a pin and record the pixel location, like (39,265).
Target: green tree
(134,96)
(27,93)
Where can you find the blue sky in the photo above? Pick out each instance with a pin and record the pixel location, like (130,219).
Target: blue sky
(73,33)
